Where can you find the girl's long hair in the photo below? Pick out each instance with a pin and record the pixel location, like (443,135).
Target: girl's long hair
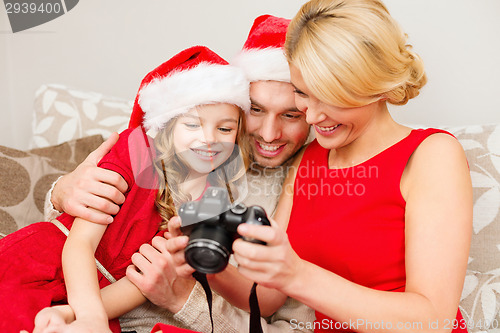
(174,171)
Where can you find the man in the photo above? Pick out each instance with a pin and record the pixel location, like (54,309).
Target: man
(276,132)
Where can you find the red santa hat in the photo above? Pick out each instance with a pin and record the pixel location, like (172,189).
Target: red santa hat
(195,76)
(262,57)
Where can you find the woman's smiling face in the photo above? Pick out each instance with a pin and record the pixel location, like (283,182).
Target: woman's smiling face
(335,126)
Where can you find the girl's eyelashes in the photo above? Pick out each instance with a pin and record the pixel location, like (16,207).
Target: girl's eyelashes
(196,126)
(192,125)
(225,129)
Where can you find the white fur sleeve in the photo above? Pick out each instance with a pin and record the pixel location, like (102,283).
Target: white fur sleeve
(49,212)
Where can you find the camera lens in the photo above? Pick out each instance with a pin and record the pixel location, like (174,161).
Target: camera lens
(208,249)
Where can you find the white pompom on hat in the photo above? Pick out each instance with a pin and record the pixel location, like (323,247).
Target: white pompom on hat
(262,57)
(195,76)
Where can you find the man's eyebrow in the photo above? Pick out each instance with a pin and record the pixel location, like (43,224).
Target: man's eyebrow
(254,102)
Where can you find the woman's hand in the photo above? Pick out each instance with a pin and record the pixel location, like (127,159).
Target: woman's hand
(274,265)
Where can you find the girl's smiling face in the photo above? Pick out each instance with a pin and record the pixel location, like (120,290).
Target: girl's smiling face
(204,137)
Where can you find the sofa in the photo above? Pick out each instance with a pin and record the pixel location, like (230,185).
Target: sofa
(70,123)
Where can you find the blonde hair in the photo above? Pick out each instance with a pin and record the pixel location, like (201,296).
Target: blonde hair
(352,53)
(174,172)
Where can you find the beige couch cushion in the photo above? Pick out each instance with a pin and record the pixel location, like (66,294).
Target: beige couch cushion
(27,176)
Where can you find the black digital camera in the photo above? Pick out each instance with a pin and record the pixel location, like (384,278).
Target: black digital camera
(211,224)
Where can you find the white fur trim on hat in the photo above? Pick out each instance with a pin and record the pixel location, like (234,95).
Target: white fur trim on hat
(267,64)
(165,98)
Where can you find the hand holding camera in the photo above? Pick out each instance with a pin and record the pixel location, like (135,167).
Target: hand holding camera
(211,224)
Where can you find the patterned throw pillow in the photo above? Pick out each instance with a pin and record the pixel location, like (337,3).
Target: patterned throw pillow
(27,177)
(482,147)
(63,114)
(480,302)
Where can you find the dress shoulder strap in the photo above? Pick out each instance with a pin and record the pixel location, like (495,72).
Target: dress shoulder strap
(417,136)
(397,157)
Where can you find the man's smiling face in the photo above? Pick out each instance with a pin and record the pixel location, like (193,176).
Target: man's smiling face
(275,127)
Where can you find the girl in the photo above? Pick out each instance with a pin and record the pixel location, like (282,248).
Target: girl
(378,235)
(193,103)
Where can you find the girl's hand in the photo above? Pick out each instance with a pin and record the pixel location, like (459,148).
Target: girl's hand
(161,272)
(175,244)
(174,227)
(87,325)
(273,265)
(53,319)
(49,320)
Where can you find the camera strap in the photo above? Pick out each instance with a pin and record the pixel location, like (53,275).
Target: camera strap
(255,324)
(202,279)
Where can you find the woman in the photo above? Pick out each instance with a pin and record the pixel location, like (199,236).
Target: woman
(378,235)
